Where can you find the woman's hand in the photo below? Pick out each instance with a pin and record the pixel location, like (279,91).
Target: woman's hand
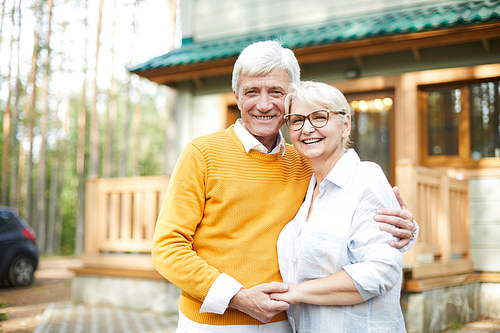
(285,297)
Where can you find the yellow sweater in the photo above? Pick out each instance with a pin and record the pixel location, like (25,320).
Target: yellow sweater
(222,213)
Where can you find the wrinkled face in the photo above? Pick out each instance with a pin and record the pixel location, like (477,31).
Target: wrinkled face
(324,143)
(261,102)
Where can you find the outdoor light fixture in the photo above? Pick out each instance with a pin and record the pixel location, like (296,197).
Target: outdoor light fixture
(352,73)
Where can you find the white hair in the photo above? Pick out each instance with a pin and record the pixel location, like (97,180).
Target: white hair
(319,95)
(261,58)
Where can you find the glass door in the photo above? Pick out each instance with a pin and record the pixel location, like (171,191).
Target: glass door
(371,128)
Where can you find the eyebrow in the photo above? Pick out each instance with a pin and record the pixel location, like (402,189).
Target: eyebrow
(255,87)
(278,88)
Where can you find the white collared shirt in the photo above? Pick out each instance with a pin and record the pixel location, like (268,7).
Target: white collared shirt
(250,142)
(341,234)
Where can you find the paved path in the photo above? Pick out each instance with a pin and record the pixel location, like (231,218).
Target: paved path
(74,318)
(66,317)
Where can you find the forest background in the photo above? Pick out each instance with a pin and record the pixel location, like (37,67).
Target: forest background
(69,110)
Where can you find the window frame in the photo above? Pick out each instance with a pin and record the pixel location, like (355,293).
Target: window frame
(463,158)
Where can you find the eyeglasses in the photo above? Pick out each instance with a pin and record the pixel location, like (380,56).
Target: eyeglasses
(318,118)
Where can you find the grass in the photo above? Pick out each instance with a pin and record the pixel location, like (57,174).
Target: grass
(455,325)
(3,315)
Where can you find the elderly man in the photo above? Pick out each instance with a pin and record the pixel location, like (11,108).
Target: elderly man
(229,196)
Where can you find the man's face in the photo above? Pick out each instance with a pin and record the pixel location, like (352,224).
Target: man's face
(261,100)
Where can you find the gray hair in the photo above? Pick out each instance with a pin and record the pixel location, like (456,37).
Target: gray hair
(319,95)
(261,58)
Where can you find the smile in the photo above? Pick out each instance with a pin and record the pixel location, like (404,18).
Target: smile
(308,141)
(264,117)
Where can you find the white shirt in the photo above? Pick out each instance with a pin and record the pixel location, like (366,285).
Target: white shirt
(342,234)
(250,142)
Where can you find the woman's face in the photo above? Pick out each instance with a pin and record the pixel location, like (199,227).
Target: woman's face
(324,143)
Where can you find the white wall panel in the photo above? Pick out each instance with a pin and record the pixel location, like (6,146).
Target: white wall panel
(485,223)
(220,18)
(486,260)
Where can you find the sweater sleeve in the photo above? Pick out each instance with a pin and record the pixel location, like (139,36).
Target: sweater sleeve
(181,213)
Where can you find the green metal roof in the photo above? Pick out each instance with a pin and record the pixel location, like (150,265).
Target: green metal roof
(405,20)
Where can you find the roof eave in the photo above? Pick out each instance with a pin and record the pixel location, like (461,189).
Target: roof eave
(335,51)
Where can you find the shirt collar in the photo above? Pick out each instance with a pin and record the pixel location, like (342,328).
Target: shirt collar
(250,142)
(343,168)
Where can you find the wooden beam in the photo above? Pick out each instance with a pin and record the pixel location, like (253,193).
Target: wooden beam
(197,82)
(128,273)
(486,44)
(359,61)
(416,53)
(118,261)
(490,277)
(439,282)
(441,269)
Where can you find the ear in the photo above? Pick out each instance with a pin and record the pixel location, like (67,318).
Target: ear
(237,100)
(346,127)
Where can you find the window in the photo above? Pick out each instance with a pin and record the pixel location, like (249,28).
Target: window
(485,117)
(462,123)
(5,219)
(371,127)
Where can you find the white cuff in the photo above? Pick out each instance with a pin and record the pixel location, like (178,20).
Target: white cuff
(220,294)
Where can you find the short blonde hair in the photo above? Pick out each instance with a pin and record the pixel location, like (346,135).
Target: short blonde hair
(319,95)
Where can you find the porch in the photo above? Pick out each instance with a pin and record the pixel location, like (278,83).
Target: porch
(121,215)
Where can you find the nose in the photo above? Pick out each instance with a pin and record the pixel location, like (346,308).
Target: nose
(308,127)
(264,104)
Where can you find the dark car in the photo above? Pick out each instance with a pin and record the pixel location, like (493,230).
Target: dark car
(18,252)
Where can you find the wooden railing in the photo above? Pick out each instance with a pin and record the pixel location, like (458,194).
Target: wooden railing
(440,204)
(121,213)
(120,217)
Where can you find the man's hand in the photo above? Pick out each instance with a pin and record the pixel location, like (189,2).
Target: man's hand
(257,303)
(401,218)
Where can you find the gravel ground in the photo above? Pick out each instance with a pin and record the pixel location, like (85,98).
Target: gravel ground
(483,325)
(25,305)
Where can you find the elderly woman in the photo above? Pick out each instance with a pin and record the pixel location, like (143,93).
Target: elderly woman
(343,274)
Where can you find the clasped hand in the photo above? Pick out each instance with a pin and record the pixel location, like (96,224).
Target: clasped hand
(258,303)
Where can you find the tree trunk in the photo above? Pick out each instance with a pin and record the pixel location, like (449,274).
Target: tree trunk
(44,119)
(170,151)
(14,188)
(94,124)
(1,21)
(50,246)
(109,155)
(61,174)
(137,134)
(80,154)
(124,147)
(124,143)
(6,117)
(60,180)
(20,175)
(31,115)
